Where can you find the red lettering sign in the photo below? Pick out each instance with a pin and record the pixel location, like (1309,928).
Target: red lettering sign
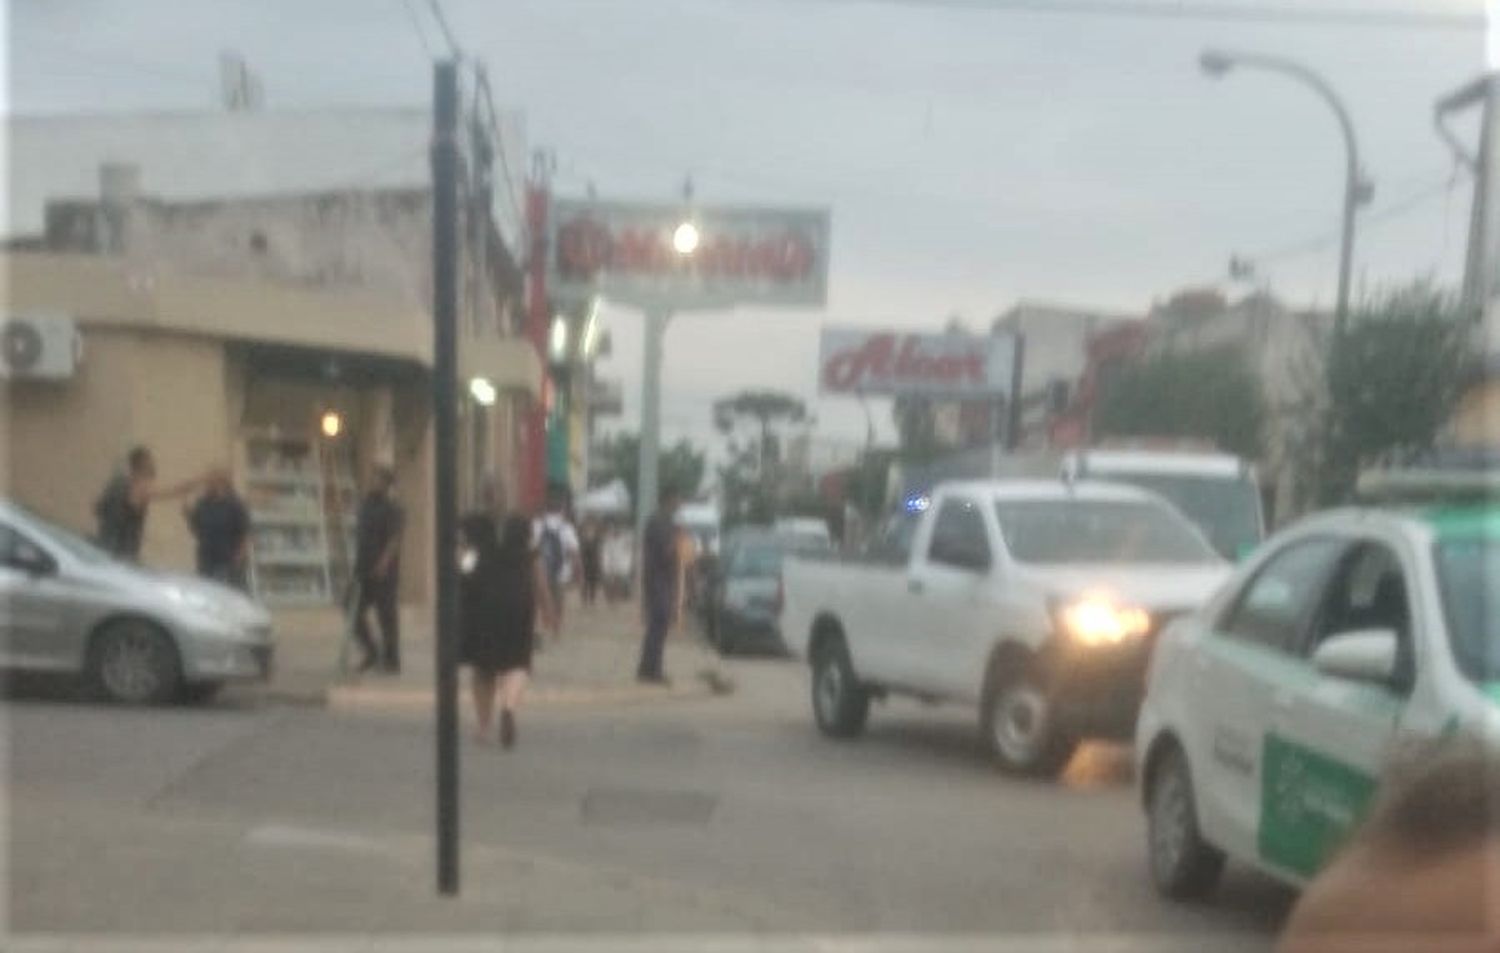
(587,247)
(895,363)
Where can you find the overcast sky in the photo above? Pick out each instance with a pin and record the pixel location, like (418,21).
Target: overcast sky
(971,157)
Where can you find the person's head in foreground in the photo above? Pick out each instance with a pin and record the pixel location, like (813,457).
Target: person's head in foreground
(1422,875)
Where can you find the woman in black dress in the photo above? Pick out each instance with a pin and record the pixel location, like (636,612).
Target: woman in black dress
(502,592)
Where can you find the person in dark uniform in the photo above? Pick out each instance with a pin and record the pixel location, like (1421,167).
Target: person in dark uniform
(502,592)
(121,509)
(659,580)
(377,570)
(221,525)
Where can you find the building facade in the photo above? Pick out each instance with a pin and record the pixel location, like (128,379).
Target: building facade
(284,332)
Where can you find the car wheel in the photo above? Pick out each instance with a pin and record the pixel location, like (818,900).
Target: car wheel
(724,639)
(1019,720)
(199,693)
(133,662)
(1183,865)
(841,704)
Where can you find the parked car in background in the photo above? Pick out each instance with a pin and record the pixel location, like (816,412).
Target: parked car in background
(137,636)
(743,597)
(1271,714)
(812,528)
(1036,601)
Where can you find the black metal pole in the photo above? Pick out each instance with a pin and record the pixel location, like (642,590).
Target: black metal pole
(445,170)
(1017,373)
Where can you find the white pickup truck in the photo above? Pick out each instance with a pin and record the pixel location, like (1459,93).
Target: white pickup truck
(1037,601)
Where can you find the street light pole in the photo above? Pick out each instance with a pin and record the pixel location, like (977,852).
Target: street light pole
(648,483)
(1357,191)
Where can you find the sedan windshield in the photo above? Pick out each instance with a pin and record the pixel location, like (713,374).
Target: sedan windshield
(1469,573)
(1099,531)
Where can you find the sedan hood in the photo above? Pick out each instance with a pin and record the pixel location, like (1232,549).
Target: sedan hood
(1170,587)
(154,586)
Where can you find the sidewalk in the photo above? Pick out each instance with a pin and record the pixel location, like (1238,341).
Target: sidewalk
(593,663)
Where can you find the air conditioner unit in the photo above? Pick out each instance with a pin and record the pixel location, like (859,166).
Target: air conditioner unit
(39,348)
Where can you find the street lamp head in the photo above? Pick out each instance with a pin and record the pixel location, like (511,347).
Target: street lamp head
(685,238)
(1215,63)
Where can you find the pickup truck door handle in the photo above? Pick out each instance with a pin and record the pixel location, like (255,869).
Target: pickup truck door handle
(915,587)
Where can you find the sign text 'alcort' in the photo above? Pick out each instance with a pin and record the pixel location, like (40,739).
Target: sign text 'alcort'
(744,255)
(856,361)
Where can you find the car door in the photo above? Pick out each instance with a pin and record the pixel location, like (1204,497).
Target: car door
(950,590)
(1329,744)
(1248,666)
(878,606)
(32,605)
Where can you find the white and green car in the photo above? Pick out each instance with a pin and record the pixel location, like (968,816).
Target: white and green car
(1270,713)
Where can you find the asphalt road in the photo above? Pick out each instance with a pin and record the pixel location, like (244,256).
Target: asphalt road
(723,816)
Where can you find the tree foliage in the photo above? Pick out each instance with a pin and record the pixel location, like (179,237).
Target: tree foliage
(681,467)
(1205,395)
(751,422)
(1391,381)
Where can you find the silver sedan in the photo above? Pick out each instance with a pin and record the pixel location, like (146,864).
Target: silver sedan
(136,635)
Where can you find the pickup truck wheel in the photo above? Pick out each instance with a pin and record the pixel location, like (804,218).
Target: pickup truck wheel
(1183,865)
(1020,724)
(841,704)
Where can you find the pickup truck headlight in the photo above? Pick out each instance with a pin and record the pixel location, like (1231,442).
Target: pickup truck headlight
(1097,620)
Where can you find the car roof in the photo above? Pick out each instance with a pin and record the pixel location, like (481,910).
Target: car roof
(1443,519)
(1049,490)
(1179,462)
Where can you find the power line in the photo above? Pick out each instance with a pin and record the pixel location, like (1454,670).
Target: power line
(1394,210)
(442,21)
(416,26)
(1190,10)
(498,135)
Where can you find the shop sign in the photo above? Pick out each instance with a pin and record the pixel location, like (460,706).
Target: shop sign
(861,361)
(744,255)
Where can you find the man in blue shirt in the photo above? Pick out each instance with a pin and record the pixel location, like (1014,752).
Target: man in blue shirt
(658,586)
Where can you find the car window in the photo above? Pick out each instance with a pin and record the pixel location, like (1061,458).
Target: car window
(958,536)
(1369,591)
(1276,607)
(16,551)
(757,561)
(893,545)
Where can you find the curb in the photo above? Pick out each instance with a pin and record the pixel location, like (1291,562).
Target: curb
(398,699)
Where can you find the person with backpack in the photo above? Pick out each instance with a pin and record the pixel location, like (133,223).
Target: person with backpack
(557,549)
(121,508)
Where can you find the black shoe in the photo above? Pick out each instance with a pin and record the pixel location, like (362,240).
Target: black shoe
(365,664)
(660,681)
(507,730)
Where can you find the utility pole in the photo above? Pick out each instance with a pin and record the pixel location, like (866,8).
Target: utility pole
(445,172)
(648,485)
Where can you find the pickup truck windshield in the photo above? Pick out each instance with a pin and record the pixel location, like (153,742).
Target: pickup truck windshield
(1469,572)
(1098,531)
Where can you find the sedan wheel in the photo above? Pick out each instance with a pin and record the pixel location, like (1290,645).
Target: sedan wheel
(1183,865)
(134,663)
